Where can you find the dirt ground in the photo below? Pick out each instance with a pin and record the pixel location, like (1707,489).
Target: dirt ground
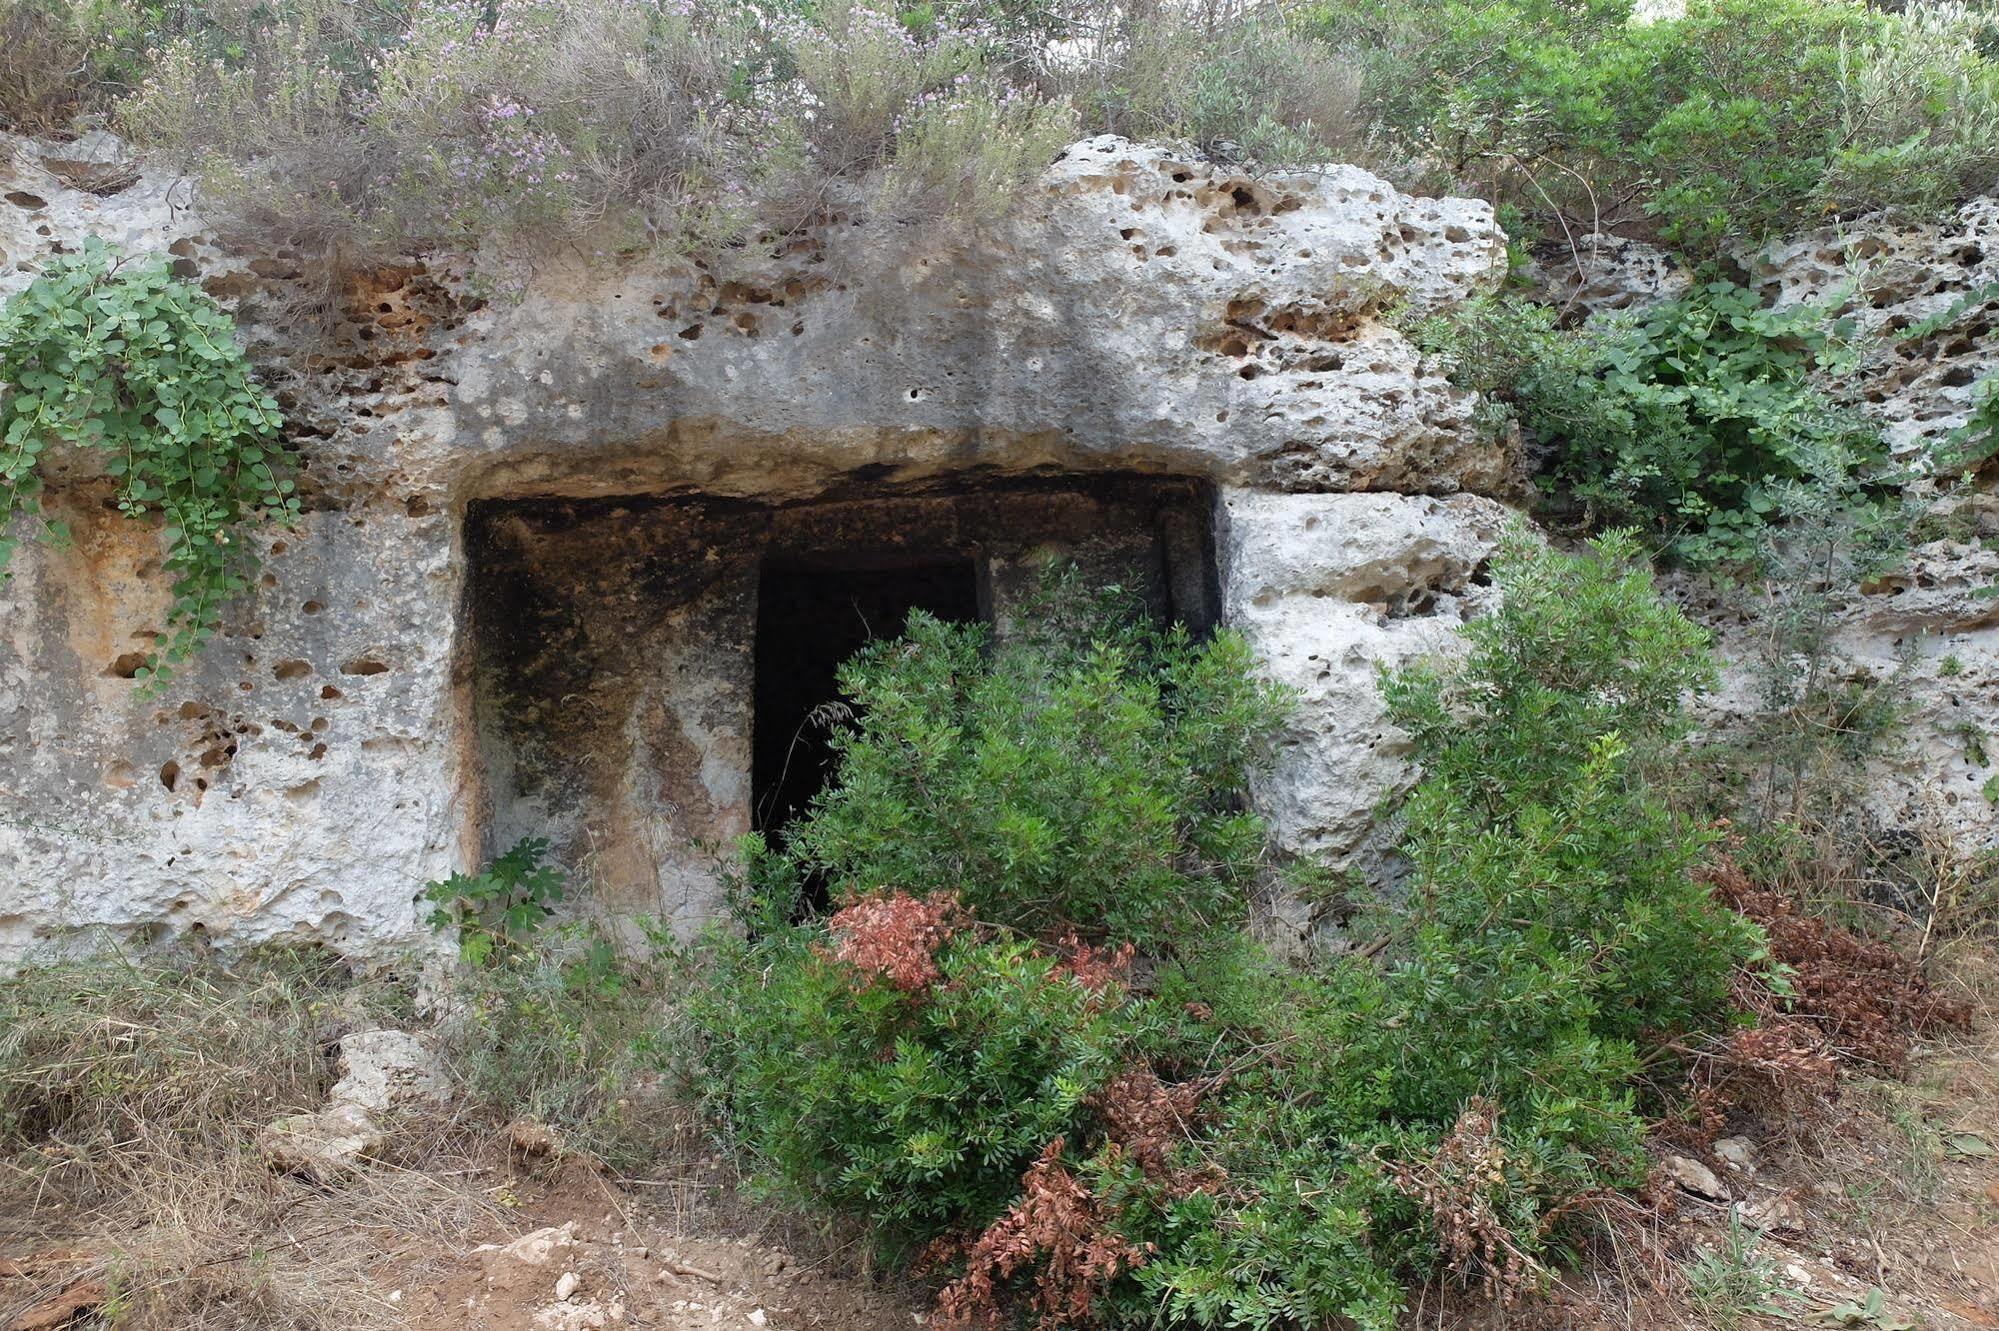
(1891,1194)
(1881,1212)
(593,1254)
(479,1248)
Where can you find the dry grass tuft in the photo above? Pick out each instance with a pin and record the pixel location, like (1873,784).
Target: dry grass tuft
(45,55)
(109,1064)
(131,1190)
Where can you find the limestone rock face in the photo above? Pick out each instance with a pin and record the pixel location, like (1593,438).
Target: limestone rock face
(1887,277)
(1929,633)
(1927,639)
(1607,273)
(1329,589)
(1144,312)
(1890,280)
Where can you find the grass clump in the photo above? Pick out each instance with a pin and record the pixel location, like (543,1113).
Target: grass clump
(132,1091)
(107,1060)
(558,1025)
(1733,1281)
(577,1032)
(1088,1108)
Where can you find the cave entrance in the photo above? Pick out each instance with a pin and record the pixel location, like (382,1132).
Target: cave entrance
(643,669)
(809,621)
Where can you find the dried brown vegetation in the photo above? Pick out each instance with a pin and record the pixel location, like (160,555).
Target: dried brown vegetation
(896,936)
(1457,1186)
(1842,1004)
(1057,1222)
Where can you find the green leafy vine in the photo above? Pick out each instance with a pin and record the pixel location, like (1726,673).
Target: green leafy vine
(121,356)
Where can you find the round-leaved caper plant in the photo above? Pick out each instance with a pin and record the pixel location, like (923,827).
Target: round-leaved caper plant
(119,355)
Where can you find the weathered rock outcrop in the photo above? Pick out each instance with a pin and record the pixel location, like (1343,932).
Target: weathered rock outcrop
(1924,301)
(1925,638)
(1330,589)
(1146,312)
(1890,279)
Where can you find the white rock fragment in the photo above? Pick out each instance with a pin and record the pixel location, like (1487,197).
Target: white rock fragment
(1694,1177)
(1737,1153)
(323,1146)
(538,1248)
(385,1070)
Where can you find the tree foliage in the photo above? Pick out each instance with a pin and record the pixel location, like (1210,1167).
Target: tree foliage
(1713,132)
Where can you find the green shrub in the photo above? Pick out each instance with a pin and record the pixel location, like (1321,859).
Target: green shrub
(1743,119)
(1192,1132)
(1484,1077)
(1077,774)
(123,357)
(1580,648)
(1538,815)
(916,1104)
(1692,418)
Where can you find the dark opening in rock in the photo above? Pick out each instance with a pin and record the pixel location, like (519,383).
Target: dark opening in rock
(809,620)
(644,669)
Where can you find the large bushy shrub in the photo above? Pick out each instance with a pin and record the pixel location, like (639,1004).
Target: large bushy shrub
(1123,1118)
(1538,816)
(1083,772)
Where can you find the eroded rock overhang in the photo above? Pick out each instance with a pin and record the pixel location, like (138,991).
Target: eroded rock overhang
(1145,314)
